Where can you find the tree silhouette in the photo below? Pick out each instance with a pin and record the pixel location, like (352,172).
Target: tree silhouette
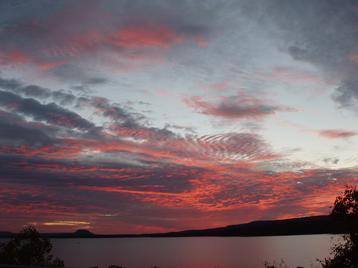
(28,248)
(345,255)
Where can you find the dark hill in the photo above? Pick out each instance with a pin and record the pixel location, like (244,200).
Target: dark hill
(296,226)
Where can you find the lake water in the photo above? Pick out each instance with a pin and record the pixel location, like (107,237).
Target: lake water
(194,252)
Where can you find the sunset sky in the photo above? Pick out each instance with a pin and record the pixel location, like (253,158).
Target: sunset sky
(149,116)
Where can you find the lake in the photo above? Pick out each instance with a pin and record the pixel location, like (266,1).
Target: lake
(194,252)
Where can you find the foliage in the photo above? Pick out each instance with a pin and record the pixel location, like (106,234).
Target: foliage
(345,255)
(347,204)
(28,248)
(282,264)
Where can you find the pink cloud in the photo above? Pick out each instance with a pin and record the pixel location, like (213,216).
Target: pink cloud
(235,107)
(19,57)
(353,57)
(143,36)
(294,76)
(337,133)
(130,47)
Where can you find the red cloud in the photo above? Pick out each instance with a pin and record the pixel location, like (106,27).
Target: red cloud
(217,188)
(22,57)
(136,42)
(130,37)
(142,36)
(337,134)
(14,56)
(235,107)
(353,57)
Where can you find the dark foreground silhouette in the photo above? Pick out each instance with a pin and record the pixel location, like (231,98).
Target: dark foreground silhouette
(344,255)
(346,208)
(29,248)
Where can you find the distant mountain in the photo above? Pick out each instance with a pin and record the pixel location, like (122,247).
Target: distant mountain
(83,233)
(296,226)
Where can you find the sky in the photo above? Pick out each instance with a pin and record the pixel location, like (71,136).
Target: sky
(151,116)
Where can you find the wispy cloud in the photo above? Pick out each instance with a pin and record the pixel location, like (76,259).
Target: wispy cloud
(337,133)
(235,107)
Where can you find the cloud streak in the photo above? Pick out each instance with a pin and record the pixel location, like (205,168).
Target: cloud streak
(49,113)
(235,107)
(337,134)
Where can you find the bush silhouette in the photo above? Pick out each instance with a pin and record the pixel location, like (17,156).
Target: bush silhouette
(28,248)
(345,255)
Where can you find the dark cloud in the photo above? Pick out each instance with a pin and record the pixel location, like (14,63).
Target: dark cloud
(35,171)
(9,84)
(95,81)
(60,96)
(114,112)
(15,131)
(122,118)
(323,33)
(331,160)
(63,98)
(34,91)
(101,105)
(50,113)
(347,93)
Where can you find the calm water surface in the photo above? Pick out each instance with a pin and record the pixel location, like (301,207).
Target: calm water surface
(197,252)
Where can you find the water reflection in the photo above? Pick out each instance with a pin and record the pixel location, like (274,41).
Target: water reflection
(225,252)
